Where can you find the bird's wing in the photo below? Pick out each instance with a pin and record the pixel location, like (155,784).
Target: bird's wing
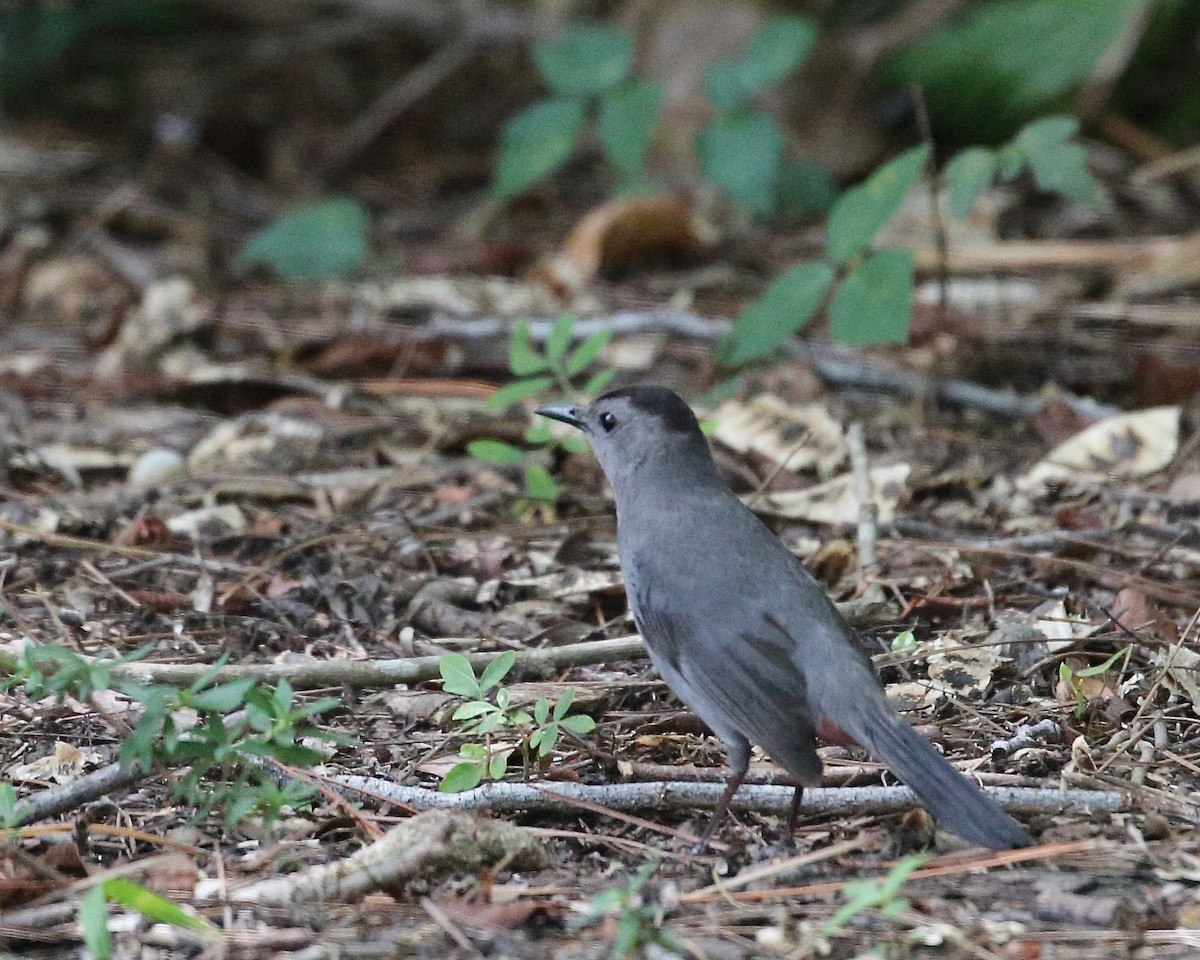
(733,663)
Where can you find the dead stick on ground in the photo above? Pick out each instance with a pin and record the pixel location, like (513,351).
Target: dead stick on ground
(868,510)
(429,845)
(381,673)
(506,797)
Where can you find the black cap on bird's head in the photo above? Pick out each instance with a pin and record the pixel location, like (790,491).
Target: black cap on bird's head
(633,427)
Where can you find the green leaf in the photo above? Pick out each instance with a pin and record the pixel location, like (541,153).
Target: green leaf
(323,240)
(1004,62)
(1046,133)
(584,355)
(588,59)
(547,739)
(966,176)
(539,485)
(541,710)
(505,397)
(523,359)
(874,303)
(598,381)
(741,152)
(1098,669)
(1058,165)
(578,723)
(903,641)
(458,677)
(473,751)
(628,118)
(779,47)
(538,434)
(560,338)
(224,698)
(156,909)
(462,776)
(93,918)
(628,935)
(491,722)
(564,703)
(498,766)
(805,187)
(497,670)
(473,709)
(502,695)
(495,451)
(535,143)
(283,696)
(787,304)
(862,212)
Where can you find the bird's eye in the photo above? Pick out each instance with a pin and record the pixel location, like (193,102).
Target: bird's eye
(608,421)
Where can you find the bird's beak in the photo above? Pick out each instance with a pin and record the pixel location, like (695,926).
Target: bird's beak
(566,413)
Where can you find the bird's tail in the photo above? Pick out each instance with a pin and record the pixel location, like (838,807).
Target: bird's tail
(958,804)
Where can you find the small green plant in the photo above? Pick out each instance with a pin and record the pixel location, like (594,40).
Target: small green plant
(869,292)
(1047,148)
(489,709)
(222,758)
(1073,679)
(638,923)
(742,150)
(877,894)
(556,364)
(93,914)
(49,671)
(587,73)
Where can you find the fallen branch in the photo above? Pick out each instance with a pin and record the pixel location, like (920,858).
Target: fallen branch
(381,673)
(69,796)
(757,798)
(433,844)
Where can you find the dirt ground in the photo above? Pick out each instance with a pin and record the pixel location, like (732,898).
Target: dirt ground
(202,465)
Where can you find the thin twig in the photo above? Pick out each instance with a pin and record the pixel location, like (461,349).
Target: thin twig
(940,242)
(868,510)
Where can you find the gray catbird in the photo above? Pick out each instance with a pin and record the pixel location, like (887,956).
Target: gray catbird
(739,629)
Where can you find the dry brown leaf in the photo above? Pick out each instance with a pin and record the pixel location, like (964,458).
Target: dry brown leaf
(1061,626)
(65,764)
(798,438)
(617,233)
(1127,445)
(836,501)
(500,916)
(147,530)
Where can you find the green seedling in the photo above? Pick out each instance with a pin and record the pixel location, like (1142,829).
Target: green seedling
(556,364)
(489,710)
(638,924)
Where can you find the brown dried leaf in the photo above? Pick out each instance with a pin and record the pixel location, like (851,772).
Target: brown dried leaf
(618,233)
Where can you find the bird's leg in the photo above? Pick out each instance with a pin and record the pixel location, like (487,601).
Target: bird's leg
(735,781)
(739,763)
(793,816)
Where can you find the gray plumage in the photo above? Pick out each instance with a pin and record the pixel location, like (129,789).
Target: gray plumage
(736,626)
